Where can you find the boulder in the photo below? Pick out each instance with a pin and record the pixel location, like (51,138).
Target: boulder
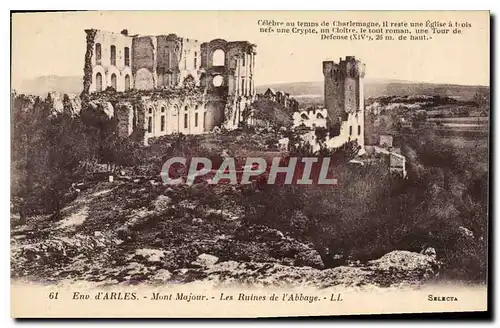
(258,233)
(197,221)
(429,251)
(404,261)
(205,261)
(309,258)
(272,235)
(466,232)
(162,203)
(150,255)
(258,274)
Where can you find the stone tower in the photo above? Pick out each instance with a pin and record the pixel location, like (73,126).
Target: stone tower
(344,99)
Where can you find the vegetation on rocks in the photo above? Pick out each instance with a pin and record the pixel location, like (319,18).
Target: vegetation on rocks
(371,228)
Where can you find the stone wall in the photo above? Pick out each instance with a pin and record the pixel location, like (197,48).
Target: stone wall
(169,56)
(310,118)
(144,62)
(231,62)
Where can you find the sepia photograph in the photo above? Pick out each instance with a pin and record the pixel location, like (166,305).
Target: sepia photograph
(249,163)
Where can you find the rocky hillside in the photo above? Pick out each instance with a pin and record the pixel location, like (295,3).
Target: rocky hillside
(131,232)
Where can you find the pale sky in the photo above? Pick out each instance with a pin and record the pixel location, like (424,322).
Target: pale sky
(54,43)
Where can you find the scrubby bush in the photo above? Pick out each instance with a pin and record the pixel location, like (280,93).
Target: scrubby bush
(370,212)
(51,151)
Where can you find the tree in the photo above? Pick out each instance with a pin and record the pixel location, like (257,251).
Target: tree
(47,153)
(189,82)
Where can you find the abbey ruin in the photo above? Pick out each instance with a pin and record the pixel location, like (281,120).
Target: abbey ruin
(168,84)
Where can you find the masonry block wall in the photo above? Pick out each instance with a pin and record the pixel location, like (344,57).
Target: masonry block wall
(144,62)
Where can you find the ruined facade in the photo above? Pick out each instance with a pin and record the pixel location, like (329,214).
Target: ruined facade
(282,98)
(164,61)
(311,118)
(185,86)
(344,100)
(110,61)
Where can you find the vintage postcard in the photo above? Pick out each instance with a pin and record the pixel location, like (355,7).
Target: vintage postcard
(180,164)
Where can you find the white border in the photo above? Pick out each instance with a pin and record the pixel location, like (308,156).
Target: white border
(191,5)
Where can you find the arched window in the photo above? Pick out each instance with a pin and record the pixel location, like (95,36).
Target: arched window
(98,82)
(98,53)
(217,81)
(127,82)
(162,120)
(150,120)
(150,124)
(113,81)
(218,58)
(127,56)
(176,120)
(113,55)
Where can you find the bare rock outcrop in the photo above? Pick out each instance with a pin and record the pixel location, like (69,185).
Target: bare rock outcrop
(394,268)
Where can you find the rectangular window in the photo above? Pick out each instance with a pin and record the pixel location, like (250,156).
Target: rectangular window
(127,56)
(150,124)
(242,88)
(162,123)
(359,130)
(113,55)
(243,61)
(195,59)
(350,130)
(185,121)
(98,53)
(168,59)
(195,119)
